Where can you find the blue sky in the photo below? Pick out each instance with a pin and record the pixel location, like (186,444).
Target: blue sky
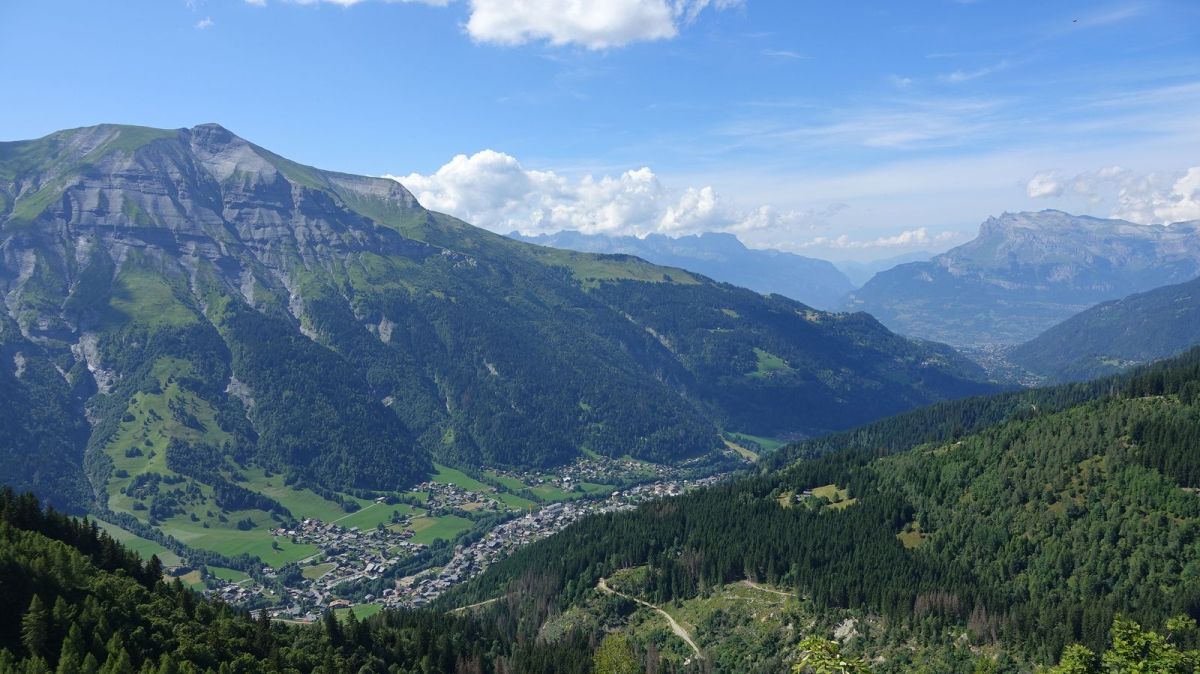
(835,129)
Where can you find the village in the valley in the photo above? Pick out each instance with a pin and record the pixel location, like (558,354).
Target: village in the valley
(351,558)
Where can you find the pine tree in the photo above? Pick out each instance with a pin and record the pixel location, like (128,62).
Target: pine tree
(35,628)
(74,649)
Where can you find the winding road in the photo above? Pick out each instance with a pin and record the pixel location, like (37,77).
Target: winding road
(675,626)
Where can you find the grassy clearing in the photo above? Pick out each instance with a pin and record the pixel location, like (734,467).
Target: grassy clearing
(315,572)
(429,529)
(768,444)
(745,453)
(149,423)
(838,497)
(768,364)
(447,475)
(144,547)
(226,539)
(301,502)
(373,515)
(231,575)
(514,501)
(192,579)
(595,488)
(510,482)
(361,611)
(551,493)
(147,297)
(912,537)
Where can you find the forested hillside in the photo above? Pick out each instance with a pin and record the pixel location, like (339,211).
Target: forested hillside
(1030,521)
(1114,336)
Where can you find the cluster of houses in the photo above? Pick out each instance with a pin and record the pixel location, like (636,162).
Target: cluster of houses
(470,561)
(354,554)
(448,496)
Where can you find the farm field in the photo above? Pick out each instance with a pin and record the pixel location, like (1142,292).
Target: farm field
(361,611)
(231,575)
(301,502)
(317,570)
(227,540)
(144,547)
(447,475)
(838,497)
(508,481)
(767,444)
(430,529)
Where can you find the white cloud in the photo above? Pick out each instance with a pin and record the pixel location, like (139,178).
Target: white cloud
(1159,198)
(493,190)
(1044,184)
(204,23)
(594,24)
(1183,203)
(1155,197)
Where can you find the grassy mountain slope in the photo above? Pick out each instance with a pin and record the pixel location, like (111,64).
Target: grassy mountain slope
(210,305)
(1115,335)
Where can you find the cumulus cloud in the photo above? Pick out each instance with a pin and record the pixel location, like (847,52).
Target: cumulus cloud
(1156,197)
(493,190)
(594,24)
(1043,184)
(204,23)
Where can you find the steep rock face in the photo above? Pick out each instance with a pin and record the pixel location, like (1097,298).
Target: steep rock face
(1024,273)
(723,257)
(208,305)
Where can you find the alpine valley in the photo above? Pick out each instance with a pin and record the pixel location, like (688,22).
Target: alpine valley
(192,322)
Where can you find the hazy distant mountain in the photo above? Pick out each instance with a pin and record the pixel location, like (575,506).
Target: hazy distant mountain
(181,304)
(722,257)
(1115,335)
(861,272)
(1024,273)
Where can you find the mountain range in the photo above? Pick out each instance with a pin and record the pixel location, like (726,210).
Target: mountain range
(722,257)
(1026,272)
(182,303)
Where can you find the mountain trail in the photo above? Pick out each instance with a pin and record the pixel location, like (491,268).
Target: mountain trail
(675,626)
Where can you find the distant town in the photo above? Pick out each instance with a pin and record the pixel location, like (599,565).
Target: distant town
(351,556)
